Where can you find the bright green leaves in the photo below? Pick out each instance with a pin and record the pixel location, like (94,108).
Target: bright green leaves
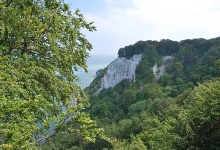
(24,101)
(205,115)
(88,128)
(40,42)
(193,125)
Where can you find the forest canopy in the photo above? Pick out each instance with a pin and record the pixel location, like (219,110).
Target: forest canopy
(180,110)
(41,48)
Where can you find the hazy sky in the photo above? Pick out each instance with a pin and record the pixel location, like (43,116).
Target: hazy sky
(123,22)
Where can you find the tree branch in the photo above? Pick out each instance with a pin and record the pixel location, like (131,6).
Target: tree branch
(9,3)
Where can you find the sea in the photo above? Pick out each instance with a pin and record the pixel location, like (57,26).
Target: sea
(95,63)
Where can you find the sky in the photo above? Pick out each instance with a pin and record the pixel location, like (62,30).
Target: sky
(121,23)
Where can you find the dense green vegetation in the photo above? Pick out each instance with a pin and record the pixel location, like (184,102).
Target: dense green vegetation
(41,46)
(180,111)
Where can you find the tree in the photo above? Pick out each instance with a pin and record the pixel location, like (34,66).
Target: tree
(205,116)
(41,46)
(178,70)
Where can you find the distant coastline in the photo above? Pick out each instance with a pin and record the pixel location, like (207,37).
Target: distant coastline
(95,62)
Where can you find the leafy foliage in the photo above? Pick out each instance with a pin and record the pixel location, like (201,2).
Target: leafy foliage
(174,112)
(180,110)
(40,46)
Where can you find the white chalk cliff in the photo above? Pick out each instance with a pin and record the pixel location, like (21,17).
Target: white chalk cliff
(123,68)
(120,69)
(159,71)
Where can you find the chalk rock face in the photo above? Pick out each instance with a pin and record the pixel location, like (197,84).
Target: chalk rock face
(121,68)
(159,71)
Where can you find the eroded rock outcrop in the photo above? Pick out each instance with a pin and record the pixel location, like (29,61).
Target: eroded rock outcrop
(120,69)
(159,71)
(123,68)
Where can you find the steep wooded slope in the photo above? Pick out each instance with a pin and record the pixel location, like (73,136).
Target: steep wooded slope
(180,110)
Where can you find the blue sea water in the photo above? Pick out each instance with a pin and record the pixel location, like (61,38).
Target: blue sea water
(95,63)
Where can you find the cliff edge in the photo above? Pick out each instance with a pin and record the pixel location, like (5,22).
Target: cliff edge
(120,69)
